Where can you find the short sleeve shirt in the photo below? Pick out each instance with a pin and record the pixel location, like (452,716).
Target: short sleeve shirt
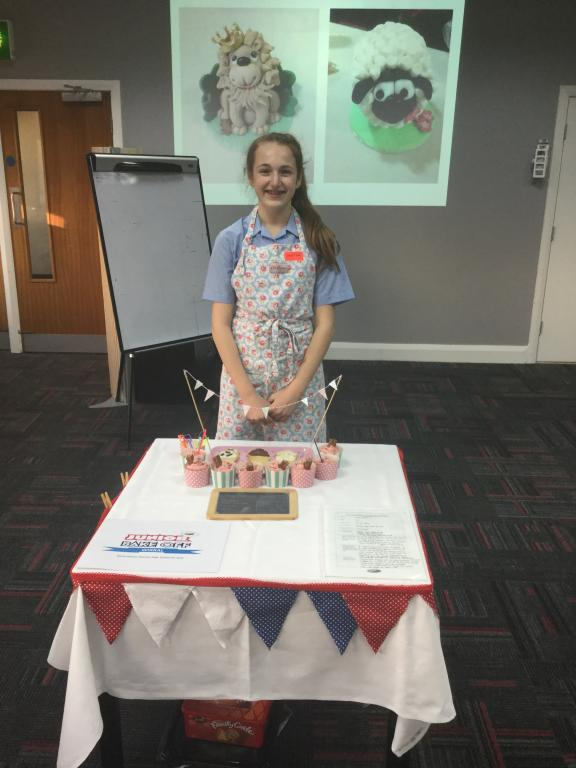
(332,287)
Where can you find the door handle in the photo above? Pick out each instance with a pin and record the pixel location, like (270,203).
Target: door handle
(17,206)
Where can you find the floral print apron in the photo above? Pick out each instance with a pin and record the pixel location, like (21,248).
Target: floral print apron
(272,327)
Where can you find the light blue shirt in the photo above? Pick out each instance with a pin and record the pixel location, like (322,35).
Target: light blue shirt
(331,287)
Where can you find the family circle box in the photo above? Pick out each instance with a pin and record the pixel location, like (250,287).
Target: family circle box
(226,720)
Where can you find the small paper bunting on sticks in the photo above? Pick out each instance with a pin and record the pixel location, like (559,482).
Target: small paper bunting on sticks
(210,393)
(334,384)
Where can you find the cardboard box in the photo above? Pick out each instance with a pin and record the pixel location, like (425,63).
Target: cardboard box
(230,721)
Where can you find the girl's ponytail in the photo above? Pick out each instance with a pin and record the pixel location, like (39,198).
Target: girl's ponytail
(318,236)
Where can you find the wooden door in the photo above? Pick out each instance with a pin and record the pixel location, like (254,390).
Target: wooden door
(557,341)
(56,257)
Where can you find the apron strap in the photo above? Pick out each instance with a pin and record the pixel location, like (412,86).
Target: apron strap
(251,224)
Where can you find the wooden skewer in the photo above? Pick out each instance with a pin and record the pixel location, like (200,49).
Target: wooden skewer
(124,477)
(338,380)
(186,374)
(106,500)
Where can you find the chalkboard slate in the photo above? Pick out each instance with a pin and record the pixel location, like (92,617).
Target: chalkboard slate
(253,504)
(156,246)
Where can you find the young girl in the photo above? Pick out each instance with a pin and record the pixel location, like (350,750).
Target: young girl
(274,279)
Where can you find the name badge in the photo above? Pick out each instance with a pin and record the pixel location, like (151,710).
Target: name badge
(293,256)
(277,268)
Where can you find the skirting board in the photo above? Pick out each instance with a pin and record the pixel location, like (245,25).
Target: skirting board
(429,353)
(63,342)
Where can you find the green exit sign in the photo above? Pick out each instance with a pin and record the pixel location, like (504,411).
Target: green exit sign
(6,40)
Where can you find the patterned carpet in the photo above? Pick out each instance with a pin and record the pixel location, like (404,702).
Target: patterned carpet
(491,457)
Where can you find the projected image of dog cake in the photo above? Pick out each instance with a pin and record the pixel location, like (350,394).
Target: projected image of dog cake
(393,87)
(247,90)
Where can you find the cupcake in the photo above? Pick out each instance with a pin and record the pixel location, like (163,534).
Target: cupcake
(187,448)
(277,474)
(259,456)
(229,455)
(196,472)
(327,469)
(303,473)
(249,475)
(286,455)
(198,454)
(331,451)
(223,473)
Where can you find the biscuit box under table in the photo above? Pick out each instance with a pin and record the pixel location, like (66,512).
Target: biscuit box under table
(272,619)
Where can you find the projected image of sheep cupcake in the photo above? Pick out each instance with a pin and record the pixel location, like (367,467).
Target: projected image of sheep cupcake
(386,85)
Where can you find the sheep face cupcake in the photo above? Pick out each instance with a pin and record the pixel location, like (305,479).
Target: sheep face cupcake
(196,472)
(277,474)
(229,455)
(223,473)
(249,475)
(303,473)
(391,109)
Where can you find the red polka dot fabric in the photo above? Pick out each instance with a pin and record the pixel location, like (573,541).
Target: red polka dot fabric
(110,604)
(376,613)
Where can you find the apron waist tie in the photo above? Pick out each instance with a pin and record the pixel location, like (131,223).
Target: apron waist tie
(277,328)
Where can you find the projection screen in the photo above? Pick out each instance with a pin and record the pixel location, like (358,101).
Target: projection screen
(368,88)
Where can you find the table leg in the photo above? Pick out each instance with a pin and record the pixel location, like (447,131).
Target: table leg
(392,761)
(111,740)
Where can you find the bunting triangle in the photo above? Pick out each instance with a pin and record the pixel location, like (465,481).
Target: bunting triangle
(209,394)
(110,604)
(245,408)
(221,610)
(333,384)
(304,400)
(336,615)
(265,411)
(198,384)
(157,606)
(323,393)
(266,609)
(376,613)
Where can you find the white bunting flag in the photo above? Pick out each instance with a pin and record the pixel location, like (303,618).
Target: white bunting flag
(265,411)
(323,393)
(304,400)
(333,384)
(246,408)
(198,384)
(209,394)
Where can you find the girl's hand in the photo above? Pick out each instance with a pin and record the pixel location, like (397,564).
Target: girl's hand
(279,411)
(255,415)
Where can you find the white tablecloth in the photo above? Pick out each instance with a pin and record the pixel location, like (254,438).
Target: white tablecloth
(210,650)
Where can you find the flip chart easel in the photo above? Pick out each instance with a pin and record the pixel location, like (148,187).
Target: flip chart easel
(156,247)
